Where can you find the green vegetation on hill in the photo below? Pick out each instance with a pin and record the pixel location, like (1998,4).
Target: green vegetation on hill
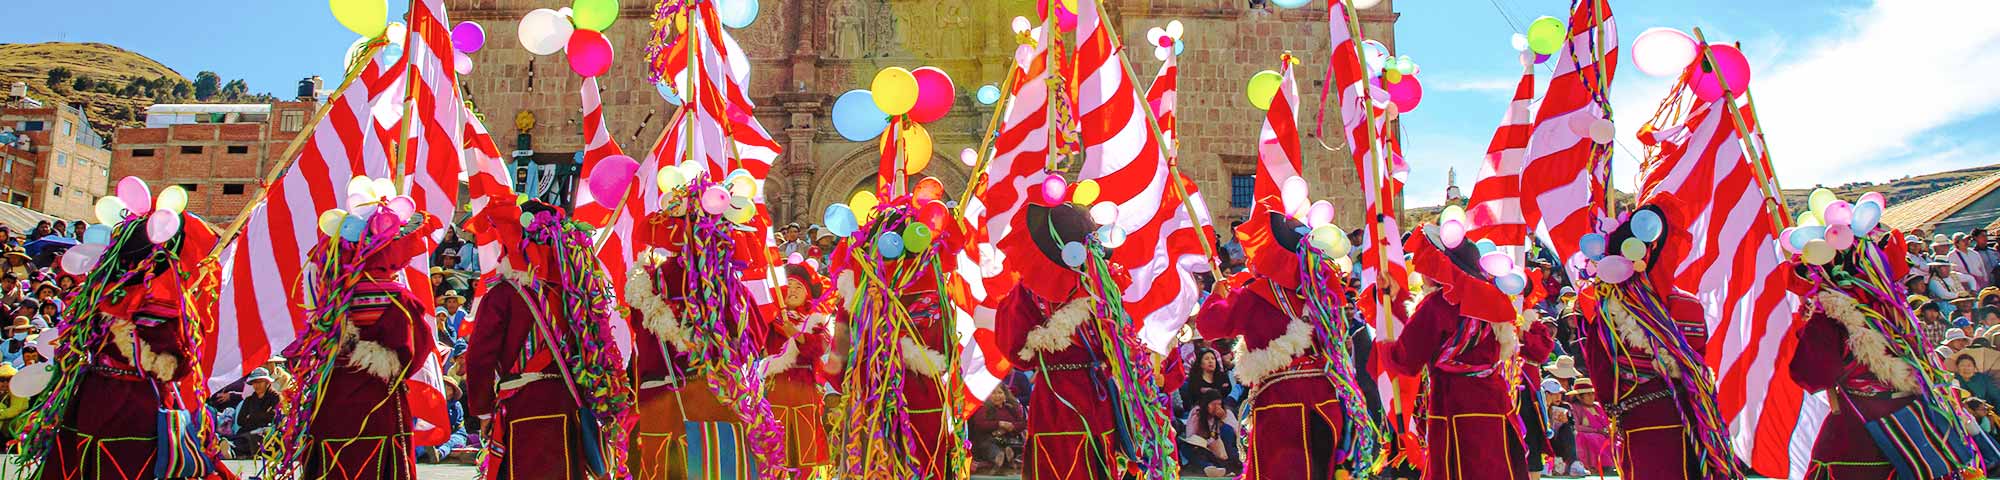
(115,84)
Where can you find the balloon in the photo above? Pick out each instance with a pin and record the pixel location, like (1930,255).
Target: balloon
(1496,264)
(544,31)
(1601,130)
(895,90)
(468,37)
(1511,284)
(1592,245)
(1817,251)
(1663,52)
(1546,35)
(1866,215)
(968,157)
(916,148)
(1485,246)
(589,54)
(1802,235)
(1292,191)
(1390,75)
(1633,248)
(1364,4)
(1327,239)
(1073,254)
(611,178)
(1110,236)
(1290,3)
(863,203)
(137,197)
(1055,189)
(1874,197)
(740,211)
(367,18)
(1320,214)
(1820,198)
(1104,213)
(594,15)
(461,63)
(330,220)
(80,259)
(666,89)
(97,234)
(1452,233)
(1646,225)
(1733,67)
(856,116)
(1065,16)
(162,225)
(110,210)
(988,94)
(889,244)
(839,220)
(928,189)
(351,227)
(1405,66)
(402,207)
(714,200)
(736,13)
(1614,269)
(1452,212)
(917,237)
(1263,87)
(934,94)
(1520,42)
(1810,218)
(1085,192)
(1840,236)
(1542,58)
(33,379)
(670,179)
(1838,214)
(172,198)
(1407,93)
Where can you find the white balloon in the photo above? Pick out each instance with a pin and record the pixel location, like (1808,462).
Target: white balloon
(32,379)
(1174,29)
(1293,192)
(1365,4)
(545,31)
(1662,51)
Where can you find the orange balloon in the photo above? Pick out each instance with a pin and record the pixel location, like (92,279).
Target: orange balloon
(929,189)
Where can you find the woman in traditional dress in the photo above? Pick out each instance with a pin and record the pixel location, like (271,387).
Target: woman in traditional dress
(541,365)
(1643,350)
(1594,444)
(351,417)
(792,378)
(126,359)
(696,332)
(1307,417)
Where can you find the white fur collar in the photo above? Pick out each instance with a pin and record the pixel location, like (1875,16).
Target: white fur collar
(523,278)
(916,357)
(1633,336)
(784,360)
(371,357)
(1869,346)
(660,318)
(1253,365)
(1059,332)
(159,365)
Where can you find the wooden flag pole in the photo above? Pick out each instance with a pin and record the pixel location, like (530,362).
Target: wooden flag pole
(1375,165)
(1774,204)
(976,182)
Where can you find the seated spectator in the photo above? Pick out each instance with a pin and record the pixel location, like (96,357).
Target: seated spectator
(1208,443)
(33,354)
(1595,446)
(1975,381)
(996,434)
(1562,444)
(1983,411)
(451,315)
(13,410)
(16,341)
(460,437)
(1948,287)
(255,414)
(1208,378)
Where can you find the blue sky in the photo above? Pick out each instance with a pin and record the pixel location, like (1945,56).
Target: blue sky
(1850,89)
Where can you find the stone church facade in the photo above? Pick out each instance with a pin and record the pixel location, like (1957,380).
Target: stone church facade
(806,52)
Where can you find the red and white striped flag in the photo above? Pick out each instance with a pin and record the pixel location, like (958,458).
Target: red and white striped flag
(1563,181)
(1130,167)
(1495,206)
(431,176)
(598,146)
(1736,272)
(983,279)
(489,182)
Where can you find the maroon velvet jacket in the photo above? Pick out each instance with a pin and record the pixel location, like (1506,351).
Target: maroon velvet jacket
(1652,433)
(1466,415)
(1298,416)
(1822,362)
(1070,416)
(533,423)
(359,403)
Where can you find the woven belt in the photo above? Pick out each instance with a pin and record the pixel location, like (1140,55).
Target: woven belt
(1620,407)
(1068,367)
(524,379)
(130,375)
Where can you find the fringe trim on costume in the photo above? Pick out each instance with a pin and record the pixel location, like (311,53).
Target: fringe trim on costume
(1869,347)
(784,360)
(816,322)
(1254,365)
(160,365)
(1509,338)
(660,317)
(930,363)
(1060,331)
(1633,336)
(121,337)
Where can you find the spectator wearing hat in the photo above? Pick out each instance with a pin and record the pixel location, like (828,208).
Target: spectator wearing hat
(18,263)
(455,410)
(1563,367)
(1954,340)
(451,316)
(1595,446)
(13,410)
(254,414)
(1964,259)
(16,340)
(792,240)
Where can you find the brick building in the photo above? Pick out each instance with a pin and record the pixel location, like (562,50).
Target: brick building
(806,52)
(219,153)
(67,164)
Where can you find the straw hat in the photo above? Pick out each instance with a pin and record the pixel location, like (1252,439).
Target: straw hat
(1564,367)
(1582,386)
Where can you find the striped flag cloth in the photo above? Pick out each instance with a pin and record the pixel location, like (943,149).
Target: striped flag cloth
(431,177)
(1130,167)
(1495,206)
(1562,182)
(1736,272)
(489,181)
(598,146)
(983,279)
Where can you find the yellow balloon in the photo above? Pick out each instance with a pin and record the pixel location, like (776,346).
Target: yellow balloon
(173,198)
(366,17)
(110,210)
(895,91)
(1633,248)
(671,179)
(916,148)
(1086,192)
(1263,87)
(1453,212)
(1820,198)
(863,204)
(329,221)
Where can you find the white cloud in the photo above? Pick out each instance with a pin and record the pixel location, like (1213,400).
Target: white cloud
(1849,106)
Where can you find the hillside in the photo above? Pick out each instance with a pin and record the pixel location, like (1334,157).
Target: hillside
(110,106)
(1898,190)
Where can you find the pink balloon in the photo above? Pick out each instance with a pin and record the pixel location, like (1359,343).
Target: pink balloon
(1840,236)
(402,208)
(1614,269)
(78,261)
(934,95)
(468,37)
(611,177)
(1838,213)
(162,225)
(1734,67)
(714,200)
(1452,233)
(1783,241)
(1055,190)
(1876,196)
(138,199)
(589,53)
(1407,93)
(1496,264)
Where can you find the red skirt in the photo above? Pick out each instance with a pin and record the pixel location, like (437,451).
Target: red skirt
(535,431)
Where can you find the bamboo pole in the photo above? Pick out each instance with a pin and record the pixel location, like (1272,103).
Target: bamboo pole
(977,180)
(409,106)
(1774,202)
(291,152)
(1374,168)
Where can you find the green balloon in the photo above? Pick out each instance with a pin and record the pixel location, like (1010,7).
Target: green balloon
(1546,35)
(594,15)
(917,237)
(1263,88)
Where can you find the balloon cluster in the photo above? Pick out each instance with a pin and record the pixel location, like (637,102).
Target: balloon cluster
(901,99)
(373,210)
(131,201)
(1508,276)
(578,31)
(1317,216)
(685,187)
(1166,41)
(932,219)
(1632,254)
(1666,52)
(1394,74)
(1831,225)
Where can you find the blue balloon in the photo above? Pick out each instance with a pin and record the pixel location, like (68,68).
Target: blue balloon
(1592,245)
(352,227)
(1290,3)
(1511,284)
(1485,247)
(1179,46)
(890,244)
(99,234)
(1646,225)
(391,53)
(1866,216)
(1073,254)
(667,92)
(857,118)
(840,220)
(1801,235)
(988,94)
(736,13)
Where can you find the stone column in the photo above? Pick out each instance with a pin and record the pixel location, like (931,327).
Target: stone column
(798,165)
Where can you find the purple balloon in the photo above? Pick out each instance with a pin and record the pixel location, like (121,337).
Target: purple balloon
(468,37)
(1539,58)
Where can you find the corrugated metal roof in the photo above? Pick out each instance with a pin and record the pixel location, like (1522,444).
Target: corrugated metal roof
(21,219)
(1928,209)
